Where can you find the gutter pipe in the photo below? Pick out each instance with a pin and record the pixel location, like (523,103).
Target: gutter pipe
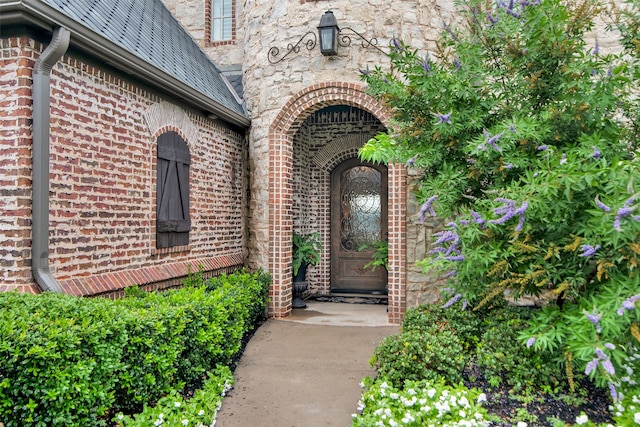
(41,93)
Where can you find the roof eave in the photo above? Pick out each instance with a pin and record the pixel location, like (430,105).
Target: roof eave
(36,13)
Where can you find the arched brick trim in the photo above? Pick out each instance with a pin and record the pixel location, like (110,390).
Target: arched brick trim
(343,148)
(281,133)
(164,116)
(321,95)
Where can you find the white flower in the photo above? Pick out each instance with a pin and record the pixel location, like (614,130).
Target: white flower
(185,422)
(160,415)
(120,416)
(464,402)
(394,396)
(582,419)
(462,413)
(201,412)
(482,398)
(431,392)
(176,404)
(157,422)
(521,424)
(636,417)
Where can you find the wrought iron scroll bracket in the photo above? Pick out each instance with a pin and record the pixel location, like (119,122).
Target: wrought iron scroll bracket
(344,40)
(309,43)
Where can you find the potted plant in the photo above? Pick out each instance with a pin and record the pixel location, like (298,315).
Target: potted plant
(306,251)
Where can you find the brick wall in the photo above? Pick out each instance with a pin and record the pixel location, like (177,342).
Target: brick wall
(103,180)
(17,56)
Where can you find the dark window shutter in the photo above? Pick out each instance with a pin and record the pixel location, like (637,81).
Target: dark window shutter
(172,223)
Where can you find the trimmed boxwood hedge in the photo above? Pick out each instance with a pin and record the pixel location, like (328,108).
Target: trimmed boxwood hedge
(68,361)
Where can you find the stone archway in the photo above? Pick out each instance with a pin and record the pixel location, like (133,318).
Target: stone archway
(281,136)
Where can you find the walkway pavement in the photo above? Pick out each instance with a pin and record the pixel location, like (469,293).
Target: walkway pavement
(305,371)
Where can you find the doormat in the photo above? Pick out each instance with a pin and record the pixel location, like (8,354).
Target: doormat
(349,299)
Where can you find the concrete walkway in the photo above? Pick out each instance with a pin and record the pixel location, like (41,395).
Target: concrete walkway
(305,371)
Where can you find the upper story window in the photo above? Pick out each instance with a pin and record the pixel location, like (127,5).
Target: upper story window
(221,20)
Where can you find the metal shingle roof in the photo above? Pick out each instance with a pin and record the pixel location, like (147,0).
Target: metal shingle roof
(148,30)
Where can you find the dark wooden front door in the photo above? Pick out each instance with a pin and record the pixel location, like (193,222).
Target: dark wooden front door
(358,217)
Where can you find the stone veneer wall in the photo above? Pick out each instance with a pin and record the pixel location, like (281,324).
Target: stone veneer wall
(103,180)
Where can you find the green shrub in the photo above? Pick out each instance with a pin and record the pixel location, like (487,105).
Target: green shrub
(173,410)
(155,340)
(431,318)
(417,355)
(66,361)
(57,359)
(503,358)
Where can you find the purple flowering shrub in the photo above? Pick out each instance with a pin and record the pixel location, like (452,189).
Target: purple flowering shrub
(527,139)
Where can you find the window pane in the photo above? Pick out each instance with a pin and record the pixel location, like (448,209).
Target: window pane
(227,28)
(221,20)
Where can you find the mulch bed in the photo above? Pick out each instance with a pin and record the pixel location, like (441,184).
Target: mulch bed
(594,402)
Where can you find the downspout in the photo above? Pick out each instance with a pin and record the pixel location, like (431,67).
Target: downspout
(41,92)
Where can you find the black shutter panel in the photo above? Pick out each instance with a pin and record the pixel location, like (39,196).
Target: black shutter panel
(173,223)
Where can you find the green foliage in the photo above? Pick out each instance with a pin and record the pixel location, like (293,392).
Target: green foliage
(416,355)
(431,318)
(57,359)
(380,255)
(527,138)
(420,403)
(66,361)
(174,410)
(502,359)
(306,250)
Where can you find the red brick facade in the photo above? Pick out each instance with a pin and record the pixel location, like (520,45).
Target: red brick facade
(103,180)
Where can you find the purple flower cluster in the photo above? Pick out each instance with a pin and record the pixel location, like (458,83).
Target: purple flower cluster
(594,318)
(477,218)
(443,118)
(622,212)
(531,341)
(446,246)
(452,301)
(427,208)
(602,360)
(563,160)
(490,141)
(588,251)
(508,210)
(396,45)
(426,64)
(411,162)
(628,304)
(602,205)
(596,153)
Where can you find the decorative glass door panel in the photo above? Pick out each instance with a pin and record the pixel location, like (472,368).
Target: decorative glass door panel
(358,219)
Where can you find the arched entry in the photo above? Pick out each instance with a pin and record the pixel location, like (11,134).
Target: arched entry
(358,223)
(282,135)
